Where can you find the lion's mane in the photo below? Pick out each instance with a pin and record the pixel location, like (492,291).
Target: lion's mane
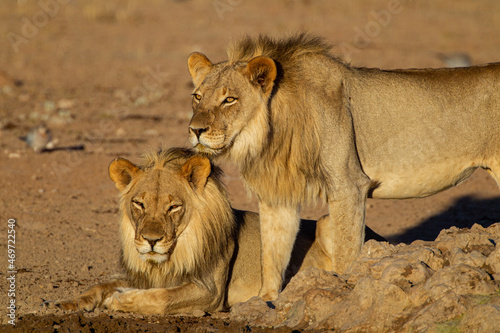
(293,146)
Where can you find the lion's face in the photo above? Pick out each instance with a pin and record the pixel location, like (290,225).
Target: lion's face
(226,99)
(158,202)
(157,213)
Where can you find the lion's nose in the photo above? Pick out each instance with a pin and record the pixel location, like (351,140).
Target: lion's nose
(198,130)
(152,239)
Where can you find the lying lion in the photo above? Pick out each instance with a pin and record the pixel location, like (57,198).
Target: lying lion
(300,124)
(183,247)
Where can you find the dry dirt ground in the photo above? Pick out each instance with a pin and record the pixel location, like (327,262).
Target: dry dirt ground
(109,79)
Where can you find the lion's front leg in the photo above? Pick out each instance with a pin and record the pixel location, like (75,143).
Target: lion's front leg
(93,297)
(183,299)
(279,226)
(145,301)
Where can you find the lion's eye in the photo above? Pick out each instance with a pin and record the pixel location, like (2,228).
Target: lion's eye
(229,100)
(197,97)
(174,208)
(138,205)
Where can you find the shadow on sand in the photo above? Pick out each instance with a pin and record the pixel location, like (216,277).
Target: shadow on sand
(464,213)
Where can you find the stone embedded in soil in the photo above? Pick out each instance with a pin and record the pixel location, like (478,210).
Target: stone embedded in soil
(406,274)
(493,260)
(473,258)
(424,286)
(309,297)
(255,309)
(478,238)
(482,319)
(450,306)
(458,279)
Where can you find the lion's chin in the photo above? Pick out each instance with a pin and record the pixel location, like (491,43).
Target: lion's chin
(154,258)
(204,150)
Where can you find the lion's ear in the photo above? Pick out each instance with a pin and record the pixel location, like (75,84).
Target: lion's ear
(199,66)
(122,171)
(262,71)
(196,170)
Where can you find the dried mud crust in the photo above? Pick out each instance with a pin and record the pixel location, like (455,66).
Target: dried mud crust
(81,322)
(452,282)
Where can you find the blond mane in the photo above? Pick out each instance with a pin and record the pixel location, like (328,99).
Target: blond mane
(292,141)
(201,244)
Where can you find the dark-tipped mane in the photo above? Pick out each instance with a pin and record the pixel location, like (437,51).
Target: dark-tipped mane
(281,50)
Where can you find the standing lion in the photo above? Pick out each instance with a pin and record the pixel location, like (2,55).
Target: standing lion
(300,125)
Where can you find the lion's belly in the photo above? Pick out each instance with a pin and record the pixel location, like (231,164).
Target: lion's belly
(415,183)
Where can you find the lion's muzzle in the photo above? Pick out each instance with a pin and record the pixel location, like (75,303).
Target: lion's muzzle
(207,141)
(153,243)
(197,131)
(152,240)
(154,249)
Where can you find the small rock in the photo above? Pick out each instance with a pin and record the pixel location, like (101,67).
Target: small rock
(493,260)
(38,138)
(373,306)
(387,297)
(14,155)
(254,309)
(151,132)
(34,115)
(449,307)
(120,132)
(66,103)
(405,275)
(86,268)
(49,106)
(369,261)
(296,316)
(310,278)
(141,101)
(474,258)
(461,279)
(359,269)
(432,257)
(482,319)
(463,239)
(374,249)
(378,268)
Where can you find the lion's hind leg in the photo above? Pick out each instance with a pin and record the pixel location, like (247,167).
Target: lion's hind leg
(344,234)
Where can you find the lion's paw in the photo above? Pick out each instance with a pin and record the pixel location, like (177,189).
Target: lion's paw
(83,303)
(121,300)
(63,305)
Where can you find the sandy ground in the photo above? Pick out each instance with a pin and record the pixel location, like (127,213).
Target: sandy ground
(109,78)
